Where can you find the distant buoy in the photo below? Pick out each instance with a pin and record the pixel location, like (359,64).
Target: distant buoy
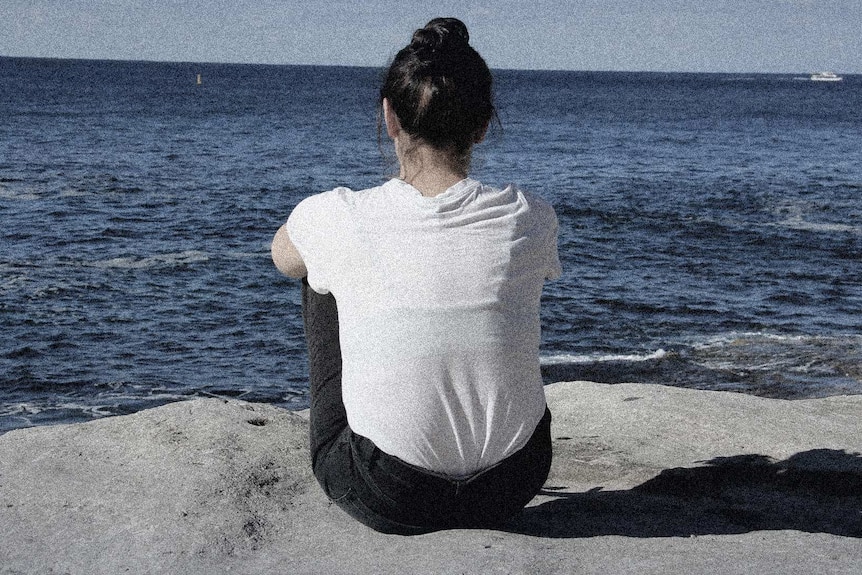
(199,80)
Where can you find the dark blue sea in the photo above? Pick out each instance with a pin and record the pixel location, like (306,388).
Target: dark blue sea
(710,226)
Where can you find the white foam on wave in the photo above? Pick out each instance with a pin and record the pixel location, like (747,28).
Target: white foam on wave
(741,338)
(104,405)
(24,195)
(24,409)
(797,223)
(567,359)
(19,409)
(778,353)
(161,260)
(249,255)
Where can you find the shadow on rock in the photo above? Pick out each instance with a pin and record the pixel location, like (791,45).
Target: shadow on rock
(818,491)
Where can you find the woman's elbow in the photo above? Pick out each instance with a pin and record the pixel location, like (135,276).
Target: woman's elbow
(291,269)
(286,257)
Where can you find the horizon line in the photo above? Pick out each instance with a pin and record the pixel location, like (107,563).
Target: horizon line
(501,69)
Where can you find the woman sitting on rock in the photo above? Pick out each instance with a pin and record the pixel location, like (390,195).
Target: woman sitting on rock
(421,309)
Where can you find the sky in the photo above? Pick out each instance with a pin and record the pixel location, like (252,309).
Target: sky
(779,36)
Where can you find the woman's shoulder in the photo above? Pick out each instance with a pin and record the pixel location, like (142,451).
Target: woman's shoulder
(343,201)
(322,206)
(533,201)
(346,195)
(326,201)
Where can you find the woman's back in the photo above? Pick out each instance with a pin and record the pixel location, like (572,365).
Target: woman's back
(438,304)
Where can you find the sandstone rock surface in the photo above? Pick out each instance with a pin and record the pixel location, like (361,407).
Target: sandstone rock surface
(646,479)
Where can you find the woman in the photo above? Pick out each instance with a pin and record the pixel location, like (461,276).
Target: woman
(427,406)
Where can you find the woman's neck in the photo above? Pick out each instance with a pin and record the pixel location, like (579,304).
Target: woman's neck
(430,171)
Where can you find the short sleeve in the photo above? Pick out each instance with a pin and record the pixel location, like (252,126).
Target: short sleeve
(314,228)
(546,228)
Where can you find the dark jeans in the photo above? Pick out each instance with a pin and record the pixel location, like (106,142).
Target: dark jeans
(384,492)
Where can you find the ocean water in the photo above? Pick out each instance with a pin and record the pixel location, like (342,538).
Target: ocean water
(710,226)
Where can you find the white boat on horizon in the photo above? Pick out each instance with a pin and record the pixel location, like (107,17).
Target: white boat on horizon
(826,77)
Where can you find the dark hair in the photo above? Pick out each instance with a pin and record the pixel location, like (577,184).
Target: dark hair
(440,87)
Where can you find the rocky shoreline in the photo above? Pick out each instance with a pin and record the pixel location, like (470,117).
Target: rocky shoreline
(646,479)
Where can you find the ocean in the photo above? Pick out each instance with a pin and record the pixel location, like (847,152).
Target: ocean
(710,226)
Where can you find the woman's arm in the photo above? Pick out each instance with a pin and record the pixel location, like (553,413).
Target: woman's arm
(285,256)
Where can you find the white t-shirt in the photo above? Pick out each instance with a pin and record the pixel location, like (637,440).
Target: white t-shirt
(438,305)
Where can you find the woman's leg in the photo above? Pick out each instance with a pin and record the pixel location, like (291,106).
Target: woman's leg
(327,416)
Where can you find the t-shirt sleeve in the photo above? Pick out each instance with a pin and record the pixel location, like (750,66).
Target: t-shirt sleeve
(313,228)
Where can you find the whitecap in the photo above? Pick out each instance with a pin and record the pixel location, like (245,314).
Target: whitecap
(249,255)
(161,260)
(748,337)
(797,223)
(22,196)
(91,410)
(778,353)
(19,409)
(568,359)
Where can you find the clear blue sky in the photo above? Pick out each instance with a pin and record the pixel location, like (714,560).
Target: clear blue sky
(792,36)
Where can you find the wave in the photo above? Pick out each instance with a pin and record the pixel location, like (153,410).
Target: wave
(568,359)
(736,338)
(161,260)
(11,284)
(652,367)
(788,366)
(53,409)
(263,253)
(8,193)
(793,353)
(36,407)
(797,223)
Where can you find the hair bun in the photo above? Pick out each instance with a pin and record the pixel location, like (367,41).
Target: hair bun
(442,34)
